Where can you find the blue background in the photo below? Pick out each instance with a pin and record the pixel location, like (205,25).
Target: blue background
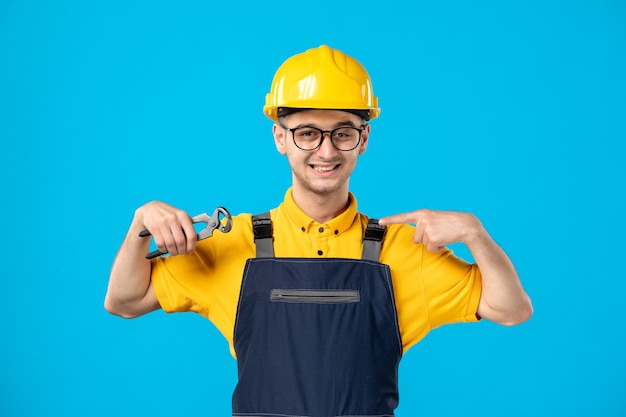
(511,110)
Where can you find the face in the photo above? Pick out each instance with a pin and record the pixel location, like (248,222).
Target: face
(325,170)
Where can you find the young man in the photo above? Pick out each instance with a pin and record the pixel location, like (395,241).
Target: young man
(318,302)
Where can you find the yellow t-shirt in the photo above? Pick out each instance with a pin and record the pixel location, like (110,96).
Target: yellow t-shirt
(431,289)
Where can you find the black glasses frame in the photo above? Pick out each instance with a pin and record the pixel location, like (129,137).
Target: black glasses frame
(323,136)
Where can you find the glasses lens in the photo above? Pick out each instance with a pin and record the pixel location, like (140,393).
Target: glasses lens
(346,138)
(307,138)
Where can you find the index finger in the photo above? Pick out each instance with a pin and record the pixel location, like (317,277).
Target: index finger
(190,233)
(402,218)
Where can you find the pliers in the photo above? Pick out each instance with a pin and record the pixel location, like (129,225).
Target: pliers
(212,222)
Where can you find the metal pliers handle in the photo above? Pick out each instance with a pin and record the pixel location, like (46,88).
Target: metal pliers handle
(212,222)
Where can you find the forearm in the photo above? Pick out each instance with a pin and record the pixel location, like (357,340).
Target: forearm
(503,298)
(129,293)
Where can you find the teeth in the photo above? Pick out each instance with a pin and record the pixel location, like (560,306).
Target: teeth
(323,169)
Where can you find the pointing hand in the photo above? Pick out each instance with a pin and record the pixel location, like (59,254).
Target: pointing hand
(436,229)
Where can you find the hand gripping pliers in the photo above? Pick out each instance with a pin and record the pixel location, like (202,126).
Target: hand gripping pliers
(212,222)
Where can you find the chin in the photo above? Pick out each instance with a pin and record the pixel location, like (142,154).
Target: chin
(325,187)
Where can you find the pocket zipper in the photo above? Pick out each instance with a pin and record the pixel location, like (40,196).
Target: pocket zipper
(315,296)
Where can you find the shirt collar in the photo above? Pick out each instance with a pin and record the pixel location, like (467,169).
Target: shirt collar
(300,219)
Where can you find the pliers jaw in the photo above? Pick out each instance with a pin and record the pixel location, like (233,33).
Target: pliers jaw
(214,222)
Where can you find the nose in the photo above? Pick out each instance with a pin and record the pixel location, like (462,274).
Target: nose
(326,148)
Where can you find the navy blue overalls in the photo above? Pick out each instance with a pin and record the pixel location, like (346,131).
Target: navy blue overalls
(316,337)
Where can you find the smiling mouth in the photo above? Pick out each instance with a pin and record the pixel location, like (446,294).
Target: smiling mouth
(324,168)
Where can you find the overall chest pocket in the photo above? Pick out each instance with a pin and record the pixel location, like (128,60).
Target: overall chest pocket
(317,296)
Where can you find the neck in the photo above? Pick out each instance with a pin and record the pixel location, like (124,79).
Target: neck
(321,207)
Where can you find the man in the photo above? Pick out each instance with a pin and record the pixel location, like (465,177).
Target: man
(317,301)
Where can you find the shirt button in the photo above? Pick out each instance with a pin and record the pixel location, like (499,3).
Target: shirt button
(321,229)
(320,253)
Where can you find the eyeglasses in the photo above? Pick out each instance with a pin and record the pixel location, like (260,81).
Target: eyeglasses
(310,138)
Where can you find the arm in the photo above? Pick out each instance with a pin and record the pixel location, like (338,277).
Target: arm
(503,300)
(130,293)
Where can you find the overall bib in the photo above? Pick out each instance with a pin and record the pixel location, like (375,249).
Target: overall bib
(316,337)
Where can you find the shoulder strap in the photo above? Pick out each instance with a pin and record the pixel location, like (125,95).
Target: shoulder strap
(372,240)
(263,235)
(264,241)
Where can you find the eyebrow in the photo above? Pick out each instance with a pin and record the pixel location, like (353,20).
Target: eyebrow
(343,123)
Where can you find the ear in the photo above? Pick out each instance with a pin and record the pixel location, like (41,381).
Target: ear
(279,138)
(364,139)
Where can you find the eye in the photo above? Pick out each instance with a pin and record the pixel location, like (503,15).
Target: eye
(345,133)
(307,133)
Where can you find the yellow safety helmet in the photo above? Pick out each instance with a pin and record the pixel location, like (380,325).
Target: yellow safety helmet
(321,78)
